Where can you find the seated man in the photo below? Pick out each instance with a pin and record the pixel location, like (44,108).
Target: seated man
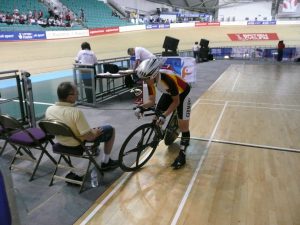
(65,112)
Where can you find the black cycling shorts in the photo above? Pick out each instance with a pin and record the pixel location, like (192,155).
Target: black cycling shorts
(184,107)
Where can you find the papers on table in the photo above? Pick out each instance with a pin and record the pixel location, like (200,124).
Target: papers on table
(125,71)
(108,74)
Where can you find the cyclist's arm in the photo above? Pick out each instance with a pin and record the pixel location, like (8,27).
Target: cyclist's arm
(152,94)
(173,106)
(150,102)
(173,89)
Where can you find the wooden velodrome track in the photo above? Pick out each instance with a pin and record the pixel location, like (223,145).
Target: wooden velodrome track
(243,162)
(247,172)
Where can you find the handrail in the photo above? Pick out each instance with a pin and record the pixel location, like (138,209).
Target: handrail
(9,71)
(8,74)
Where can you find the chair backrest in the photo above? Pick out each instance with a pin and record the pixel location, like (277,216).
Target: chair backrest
(8,122)
(2,130)
(55,128)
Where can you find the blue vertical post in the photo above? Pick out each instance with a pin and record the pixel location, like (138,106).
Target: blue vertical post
(5,216)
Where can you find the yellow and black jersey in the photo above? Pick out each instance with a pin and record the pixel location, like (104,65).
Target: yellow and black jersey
(169,83)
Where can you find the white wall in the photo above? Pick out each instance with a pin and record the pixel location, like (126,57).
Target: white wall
(142,5)
(240,11)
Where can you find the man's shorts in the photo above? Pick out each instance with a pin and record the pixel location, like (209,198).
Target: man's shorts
(106,135)
(78,150)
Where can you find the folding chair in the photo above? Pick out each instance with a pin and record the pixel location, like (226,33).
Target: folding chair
(23,140)
(83,150)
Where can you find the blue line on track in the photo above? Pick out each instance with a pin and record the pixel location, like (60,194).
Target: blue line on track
(39,78)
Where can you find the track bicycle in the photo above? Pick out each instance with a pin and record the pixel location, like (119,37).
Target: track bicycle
(142,142)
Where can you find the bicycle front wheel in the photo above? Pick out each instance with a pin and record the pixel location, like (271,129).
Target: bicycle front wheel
(138,147)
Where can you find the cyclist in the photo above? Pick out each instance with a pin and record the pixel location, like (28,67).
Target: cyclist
(175,95)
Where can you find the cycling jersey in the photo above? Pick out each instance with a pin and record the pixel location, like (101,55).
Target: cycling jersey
(170,85)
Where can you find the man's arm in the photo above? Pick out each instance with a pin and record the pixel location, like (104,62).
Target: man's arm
(92,134)
(137,63)
(84,129)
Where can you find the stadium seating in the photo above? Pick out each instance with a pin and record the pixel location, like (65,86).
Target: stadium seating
(96,13)
(22,6)
(8,6)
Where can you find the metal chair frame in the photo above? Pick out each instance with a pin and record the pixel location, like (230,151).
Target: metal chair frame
(3,137)
(52,127)
(11,127)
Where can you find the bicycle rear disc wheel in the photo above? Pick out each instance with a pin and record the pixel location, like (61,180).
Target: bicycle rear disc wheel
(138,147)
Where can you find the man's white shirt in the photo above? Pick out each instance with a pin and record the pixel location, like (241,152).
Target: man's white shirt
(142,54)
(86,57)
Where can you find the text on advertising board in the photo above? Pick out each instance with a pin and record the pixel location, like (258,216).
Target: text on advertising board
(253,37)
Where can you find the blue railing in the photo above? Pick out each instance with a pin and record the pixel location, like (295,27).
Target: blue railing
(258,52)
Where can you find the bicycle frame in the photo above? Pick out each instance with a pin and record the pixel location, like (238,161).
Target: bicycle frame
(171,131)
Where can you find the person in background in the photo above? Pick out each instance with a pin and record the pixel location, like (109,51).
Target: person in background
(140,54)
(280,48)
(196,49)
(64,111)
(87,57)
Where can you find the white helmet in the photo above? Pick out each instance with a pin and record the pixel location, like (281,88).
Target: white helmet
(149,68)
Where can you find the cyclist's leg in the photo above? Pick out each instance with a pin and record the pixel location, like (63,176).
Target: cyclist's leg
(183,111)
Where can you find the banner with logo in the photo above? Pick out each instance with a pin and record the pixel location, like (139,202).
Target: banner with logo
(106,30)
(183,66)
(206,24)
(256,22)
(22,36)
(253,37)
(157,26)
(66,34)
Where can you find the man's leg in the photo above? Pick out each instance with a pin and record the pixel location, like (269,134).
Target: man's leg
(108,137)
(108,145)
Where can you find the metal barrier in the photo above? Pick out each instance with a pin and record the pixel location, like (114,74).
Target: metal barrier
(28,95)
(94,86)
(84,79)
(24,99)
(253,53)
(121,62)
